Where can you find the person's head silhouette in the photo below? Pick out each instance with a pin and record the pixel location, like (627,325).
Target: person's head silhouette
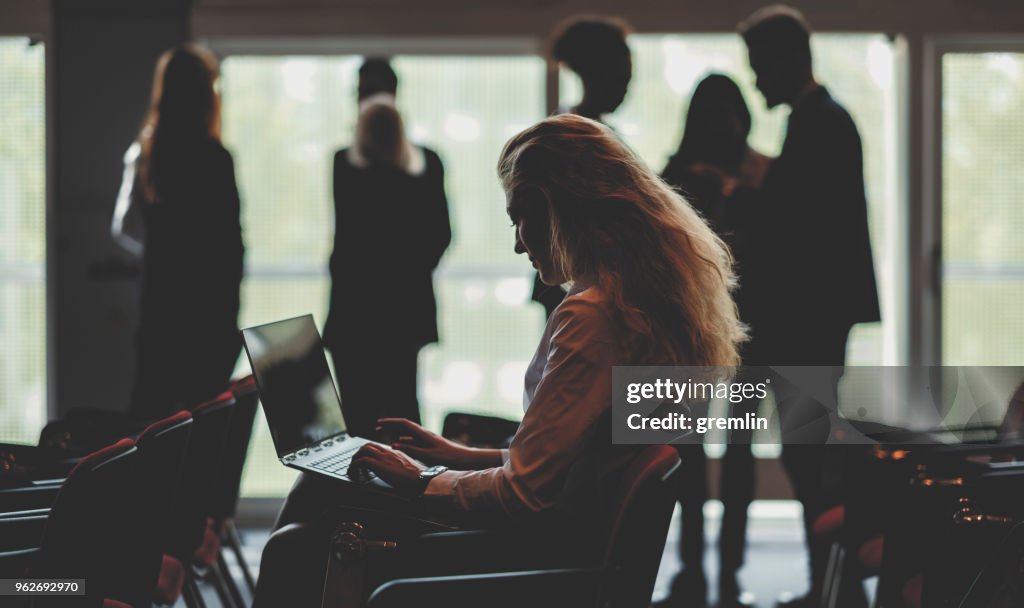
(377,76)
(779,48)
(380,133)
(717,125)
(596,50)
(184,108)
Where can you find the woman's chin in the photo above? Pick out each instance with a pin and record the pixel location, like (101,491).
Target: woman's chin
(550,280)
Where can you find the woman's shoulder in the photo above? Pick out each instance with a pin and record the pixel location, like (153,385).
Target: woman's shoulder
(432,163)
(214,155)
(587,311)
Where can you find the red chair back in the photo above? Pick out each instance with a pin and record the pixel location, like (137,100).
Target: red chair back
(638,525)
(162,448)
(236,448)
(85,532)
(210,421)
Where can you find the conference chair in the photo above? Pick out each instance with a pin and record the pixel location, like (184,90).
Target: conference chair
(621,572)
(1001,583)
(229,481)
(162,447)
(191,554)
(83,533)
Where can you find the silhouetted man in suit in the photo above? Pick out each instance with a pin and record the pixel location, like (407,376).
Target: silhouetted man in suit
(816,265)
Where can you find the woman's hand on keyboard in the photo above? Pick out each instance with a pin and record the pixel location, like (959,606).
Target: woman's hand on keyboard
(394,467)
(432,448)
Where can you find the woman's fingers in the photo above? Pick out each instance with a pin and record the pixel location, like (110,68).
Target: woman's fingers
(405,429)
(372,449)
(413,450)
(398,425)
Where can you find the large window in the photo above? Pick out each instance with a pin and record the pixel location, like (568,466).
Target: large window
(982,213)
(284,116)
(22,240)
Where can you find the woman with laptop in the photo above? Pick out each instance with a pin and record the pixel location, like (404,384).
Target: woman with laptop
(649,284)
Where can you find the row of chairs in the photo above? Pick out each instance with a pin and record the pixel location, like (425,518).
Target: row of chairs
(938,525)
(143,520)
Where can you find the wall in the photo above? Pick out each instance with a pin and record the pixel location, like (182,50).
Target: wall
(529,17)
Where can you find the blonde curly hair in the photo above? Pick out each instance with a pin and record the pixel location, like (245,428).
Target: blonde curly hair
(665,273)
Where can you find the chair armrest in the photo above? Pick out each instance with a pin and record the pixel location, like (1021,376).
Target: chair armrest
(1001,568)
(480,551)
(34,495)
(21,529)
(963,450)
(14,563)
(567,588)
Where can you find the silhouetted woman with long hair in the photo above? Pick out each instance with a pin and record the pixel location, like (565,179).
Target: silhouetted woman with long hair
(187,342)
(716,169)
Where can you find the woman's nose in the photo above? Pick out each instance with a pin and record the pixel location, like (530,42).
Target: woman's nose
(519,247)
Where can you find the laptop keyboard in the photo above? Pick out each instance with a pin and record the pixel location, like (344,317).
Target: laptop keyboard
(338,464)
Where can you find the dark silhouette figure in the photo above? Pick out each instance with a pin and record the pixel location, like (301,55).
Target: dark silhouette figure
(392,227)
(715,169)
(814,272)
(376,76)
(594,49)
(188,341)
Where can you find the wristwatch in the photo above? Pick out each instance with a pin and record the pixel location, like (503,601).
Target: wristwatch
(429,473)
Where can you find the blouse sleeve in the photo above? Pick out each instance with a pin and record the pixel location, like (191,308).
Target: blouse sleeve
(561,420)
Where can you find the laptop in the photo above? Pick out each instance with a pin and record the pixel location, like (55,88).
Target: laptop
(300,401)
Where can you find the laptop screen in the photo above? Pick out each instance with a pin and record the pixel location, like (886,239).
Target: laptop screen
(296,389)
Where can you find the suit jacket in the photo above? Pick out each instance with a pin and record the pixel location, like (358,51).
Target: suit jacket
(391,229)
(815,272)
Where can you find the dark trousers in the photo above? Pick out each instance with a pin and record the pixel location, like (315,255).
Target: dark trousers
(805,428)
(376,381)
(736,488)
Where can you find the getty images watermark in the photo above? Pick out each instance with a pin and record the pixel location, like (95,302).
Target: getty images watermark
(816,405)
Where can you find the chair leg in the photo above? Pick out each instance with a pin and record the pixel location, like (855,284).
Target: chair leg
(213,576)
(229,581)
(837,578)
(232,539)
(830,574)
(216,576)
(191,594)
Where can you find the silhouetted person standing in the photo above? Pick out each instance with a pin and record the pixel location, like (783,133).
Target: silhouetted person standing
(187,341)
(713,167)
(595,49)
(391,229)
(815,266)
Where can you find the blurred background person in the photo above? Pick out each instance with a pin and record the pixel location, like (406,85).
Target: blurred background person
(814,257)
(715,169)
(595,49)
(391,229)
(187,340)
